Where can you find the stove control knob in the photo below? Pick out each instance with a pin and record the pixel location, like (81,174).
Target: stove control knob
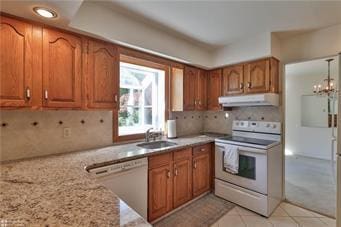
(274,126)
(241,123)
(268,125)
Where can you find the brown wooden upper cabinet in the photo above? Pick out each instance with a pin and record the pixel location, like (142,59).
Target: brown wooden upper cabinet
(16,63)
(259,76)
(62,72)
(189,84)
(233,80)
(201,91)
(214,89)
(102,78)
(194,89)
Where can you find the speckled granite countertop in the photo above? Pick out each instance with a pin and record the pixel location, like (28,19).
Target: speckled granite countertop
(57,191)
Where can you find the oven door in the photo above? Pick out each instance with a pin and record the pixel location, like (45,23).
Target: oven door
(252,172)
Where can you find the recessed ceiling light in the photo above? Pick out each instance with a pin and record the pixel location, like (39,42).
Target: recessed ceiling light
(44,12)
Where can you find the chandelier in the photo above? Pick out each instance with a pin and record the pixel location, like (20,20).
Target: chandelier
(327,87)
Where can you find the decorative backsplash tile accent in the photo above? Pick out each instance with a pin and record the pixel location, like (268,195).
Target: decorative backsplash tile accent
(25,134)
(188,122)
(195,122)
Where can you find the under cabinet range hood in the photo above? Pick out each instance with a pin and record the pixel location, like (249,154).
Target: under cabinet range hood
(266,99)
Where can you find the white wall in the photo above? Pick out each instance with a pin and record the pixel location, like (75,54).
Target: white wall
(312,45)
(117,27)
(254,47)
(300,78)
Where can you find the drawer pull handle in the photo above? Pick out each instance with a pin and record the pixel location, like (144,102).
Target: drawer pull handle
(202,149)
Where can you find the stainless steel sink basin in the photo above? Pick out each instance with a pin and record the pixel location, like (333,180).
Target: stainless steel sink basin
(156,144)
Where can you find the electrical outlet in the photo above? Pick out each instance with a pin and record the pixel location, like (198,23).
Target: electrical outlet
(67,132)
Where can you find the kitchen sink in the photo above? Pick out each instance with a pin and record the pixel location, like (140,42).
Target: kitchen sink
(156,144)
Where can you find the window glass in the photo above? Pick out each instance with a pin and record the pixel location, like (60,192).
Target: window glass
(142,99)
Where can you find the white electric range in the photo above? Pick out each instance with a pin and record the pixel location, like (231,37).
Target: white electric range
(258,185)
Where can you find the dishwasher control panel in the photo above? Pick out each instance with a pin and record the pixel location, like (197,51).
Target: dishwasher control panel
(118,167)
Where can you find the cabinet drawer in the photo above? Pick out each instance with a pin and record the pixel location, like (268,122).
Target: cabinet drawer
(201,149)
(159,160)
(182,154)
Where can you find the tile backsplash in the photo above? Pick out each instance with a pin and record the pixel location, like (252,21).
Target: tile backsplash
(194,122)
(25,134)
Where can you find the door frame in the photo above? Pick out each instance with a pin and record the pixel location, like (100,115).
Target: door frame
(283,117)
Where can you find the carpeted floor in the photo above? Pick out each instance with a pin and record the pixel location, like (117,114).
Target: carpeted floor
(310,183)
(201,213)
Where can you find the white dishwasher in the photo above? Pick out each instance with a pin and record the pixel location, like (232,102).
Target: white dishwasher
(128,180)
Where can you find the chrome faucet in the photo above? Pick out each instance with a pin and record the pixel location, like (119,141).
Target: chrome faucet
(147,135)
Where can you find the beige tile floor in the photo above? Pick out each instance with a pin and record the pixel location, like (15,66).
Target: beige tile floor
(286,215)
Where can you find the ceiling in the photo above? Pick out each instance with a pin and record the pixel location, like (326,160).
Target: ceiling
(219,23)
(207,24)
(24,8)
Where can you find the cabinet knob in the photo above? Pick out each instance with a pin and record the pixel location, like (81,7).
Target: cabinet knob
(249,85)
(168,174)
(46,94)
(195,102)
(176,172)
(241,85)
(202,149)
(195,165)
(28,93)
(115,98)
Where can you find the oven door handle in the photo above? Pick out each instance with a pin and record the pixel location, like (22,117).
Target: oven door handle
(245,149)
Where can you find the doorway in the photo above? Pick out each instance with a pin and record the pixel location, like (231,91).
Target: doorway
(310,134)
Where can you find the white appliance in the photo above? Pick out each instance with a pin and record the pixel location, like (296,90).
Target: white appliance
(338,174)
(128,180)
(258,184)
(266,99)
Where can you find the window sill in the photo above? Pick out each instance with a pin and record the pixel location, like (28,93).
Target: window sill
(131,137)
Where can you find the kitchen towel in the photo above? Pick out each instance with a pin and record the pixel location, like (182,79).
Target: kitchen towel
(231,159)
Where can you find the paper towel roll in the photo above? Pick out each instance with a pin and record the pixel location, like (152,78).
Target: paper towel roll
(171,125)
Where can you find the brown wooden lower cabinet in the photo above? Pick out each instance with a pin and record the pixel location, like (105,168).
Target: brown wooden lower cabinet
(182,181)
(160,186)
(176,177)
(201,169)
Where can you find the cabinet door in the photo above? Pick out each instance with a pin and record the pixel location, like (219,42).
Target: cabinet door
(102,81)
(257,76)
(159,191)
(61,69)
(16,63)
(233,80)
(190,84)
(214,89)
(182,189)
(201,170)
(201,93)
